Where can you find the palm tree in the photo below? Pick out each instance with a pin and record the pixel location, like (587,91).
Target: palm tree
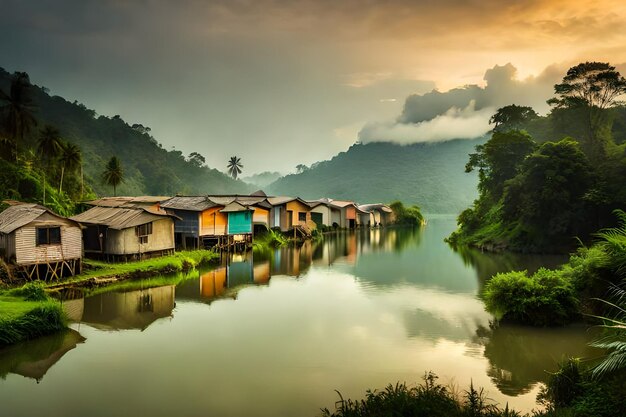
(234,166)
(70,160)
(113,174)
(49,147)
(18,108)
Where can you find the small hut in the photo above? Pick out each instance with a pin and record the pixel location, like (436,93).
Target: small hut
(41,244)
(291,213)
(122,233)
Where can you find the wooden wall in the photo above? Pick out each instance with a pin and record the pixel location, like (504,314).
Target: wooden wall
(213,222)
(25,241)
(126,242)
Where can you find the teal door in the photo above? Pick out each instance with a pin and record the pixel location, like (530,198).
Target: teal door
(239,222)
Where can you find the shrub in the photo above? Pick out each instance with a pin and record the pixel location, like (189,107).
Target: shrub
(44,319)
(187,264)
(33,291)
(546,298)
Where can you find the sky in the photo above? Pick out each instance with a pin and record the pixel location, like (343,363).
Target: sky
(280,83)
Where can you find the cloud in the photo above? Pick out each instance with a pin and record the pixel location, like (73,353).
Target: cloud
(463,113)
(455,123)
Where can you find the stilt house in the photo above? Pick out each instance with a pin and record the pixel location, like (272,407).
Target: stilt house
(40,243)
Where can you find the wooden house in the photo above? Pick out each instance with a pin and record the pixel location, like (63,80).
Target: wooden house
(324,213)
(381,214)
(122,233)
(291,214)
(40,243)
(198,220)
(348,217)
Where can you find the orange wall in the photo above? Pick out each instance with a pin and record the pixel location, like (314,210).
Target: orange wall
(213,222)
(297,207)
(261,216)
(350,213)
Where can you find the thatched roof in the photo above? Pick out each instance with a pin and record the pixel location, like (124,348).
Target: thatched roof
(18,215)
(120,217)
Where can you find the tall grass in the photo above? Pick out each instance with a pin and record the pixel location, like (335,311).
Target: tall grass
(46,318)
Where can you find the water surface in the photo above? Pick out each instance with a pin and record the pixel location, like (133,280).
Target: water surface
(274,334)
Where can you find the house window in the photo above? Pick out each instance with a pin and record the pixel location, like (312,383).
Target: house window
(143,230)
(48,236)
(302,217)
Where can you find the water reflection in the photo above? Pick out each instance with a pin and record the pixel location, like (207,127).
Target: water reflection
(33,359)
(519,357)
(135,309)
(353,311)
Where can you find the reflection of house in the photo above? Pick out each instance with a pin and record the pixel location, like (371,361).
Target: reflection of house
(127,232)
(42,244)
(34,358)
(290,213)
(213,283)
(130,309)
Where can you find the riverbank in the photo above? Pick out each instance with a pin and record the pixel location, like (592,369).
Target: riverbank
(29,312)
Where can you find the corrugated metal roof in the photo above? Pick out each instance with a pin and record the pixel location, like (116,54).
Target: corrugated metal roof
(119,217)
(127,201)
(190,203)
(234,207)
(342,203)
(18,215)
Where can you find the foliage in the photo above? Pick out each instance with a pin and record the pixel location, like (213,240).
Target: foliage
(429,399)
(17,110)
(512,117)
(574,391)
(149,168)
(45,318)
(410,216)
(234,166)
(498,160)
(271,239)
(113,174)
(545,298)
(614,339)
(32,291)
(568,187)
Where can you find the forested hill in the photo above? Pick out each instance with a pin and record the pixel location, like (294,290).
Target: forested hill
(430,175)
(148,168)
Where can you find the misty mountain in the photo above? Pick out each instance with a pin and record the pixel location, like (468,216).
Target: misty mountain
(430,175)
(148,167)
(262,179)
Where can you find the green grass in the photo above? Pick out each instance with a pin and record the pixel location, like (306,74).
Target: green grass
(21,319)
(180,261)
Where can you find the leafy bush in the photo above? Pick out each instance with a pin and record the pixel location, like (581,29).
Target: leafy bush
(410,216)
(546,298)
(33,291)
(44,319)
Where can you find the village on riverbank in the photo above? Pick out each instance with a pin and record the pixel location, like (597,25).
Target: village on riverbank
(37,243)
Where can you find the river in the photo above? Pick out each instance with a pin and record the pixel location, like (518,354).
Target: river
(275,333)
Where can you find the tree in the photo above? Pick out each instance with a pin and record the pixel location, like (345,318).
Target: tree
(512,117)
(113,174)
(70,160)
(18,108)
(547,196)
(49,147)
(300,168)
(594,87)
(196,159)
(234,166)
(498,160)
